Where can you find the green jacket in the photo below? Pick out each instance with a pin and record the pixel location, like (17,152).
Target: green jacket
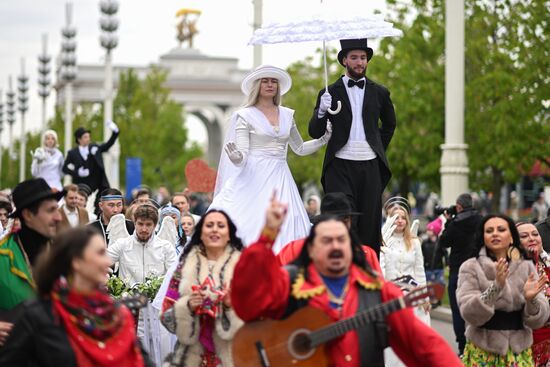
(16,282)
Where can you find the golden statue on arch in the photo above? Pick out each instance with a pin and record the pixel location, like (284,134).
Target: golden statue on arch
(187,25)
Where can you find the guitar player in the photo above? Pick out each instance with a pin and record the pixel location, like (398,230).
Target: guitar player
(331,275)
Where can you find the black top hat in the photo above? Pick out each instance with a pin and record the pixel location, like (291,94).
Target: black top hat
(79,132)
(356,44)
(32,191)
(337,203)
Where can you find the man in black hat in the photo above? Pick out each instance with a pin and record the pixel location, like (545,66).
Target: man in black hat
(355,160)
(36,208)
(333,204)
(85,162)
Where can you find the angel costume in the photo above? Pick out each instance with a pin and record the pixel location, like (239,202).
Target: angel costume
(396,261)
(243,191)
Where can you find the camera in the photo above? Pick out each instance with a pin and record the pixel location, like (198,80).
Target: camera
(450,210)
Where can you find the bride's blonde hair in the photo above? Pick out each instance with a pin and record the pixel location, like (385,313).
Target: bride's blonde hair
(254,94)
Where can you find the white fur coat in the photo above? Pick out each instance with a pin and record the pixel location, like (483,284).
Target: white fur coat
(188,349)
(475,276)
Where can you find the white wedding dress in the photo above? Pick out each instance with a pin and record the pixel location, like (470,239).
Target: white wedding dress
(244,191)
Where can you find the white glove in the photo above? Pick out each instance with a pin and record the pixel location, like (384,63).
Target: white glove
(112,126)
(324,103)
(414,228)
(83,172)
(388,228)
(233,153)
(328,133)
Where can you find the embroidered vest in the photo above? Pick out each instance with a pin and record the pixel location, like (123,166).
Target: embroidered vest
(373,338)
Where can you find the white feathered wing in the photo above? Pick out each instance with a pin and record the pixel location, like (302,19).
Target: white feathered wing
(168,230)
(117,228)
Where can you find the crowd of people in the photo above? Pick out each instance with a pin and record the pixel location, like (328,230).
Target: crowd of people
(259,251)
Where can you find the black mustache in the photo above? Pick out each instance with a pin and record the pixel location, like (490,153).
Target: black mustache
(335,254)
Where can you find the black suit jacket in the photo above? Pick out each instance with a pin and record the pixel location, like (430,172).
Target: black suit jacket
(377,105)
(97,177)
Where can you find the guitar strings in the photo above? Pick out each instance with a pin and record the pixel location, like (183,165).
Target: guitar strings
(326,331)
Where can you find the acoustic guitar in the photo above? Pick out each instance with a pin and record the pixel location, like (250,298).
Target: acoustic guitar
(299,340)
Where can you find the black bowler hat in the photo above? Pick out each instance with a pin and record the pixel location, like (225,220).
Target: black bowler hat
(355,44)
(79,132)
(30,192)
(337,203)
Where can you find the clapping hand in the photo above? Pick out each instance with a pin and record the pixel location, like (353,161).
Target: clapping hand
(502,272)
(533,286)
(233,153)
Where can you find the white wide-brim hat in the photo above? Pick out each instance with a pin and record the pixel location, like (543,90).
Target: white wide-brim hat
(267,71)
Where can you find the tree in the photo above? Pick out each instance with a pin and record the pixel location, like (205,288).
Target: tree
(506,90)
(153,129)
(412,68)
(506,115)
(151,124)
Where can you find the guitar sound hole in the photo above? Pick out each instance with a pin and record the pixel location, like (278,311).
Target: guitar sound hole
(299,344)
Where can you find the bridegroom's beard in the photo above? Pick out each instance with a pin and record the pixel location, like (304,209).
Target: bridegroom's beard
(355,75)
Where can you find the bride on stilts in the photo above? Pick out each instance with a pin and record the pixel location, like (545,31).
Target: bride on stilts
(254,164)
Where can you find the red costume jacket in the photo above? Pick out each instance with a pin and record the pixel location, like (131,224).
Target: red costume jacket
(292,250)
(262,289)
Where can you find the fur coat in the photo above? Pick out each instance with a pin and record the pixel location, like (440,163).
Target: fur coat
(475,276)
(188,349)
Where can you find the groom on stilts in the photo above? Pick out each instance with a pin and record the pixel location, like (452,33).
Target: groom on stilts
(355,160)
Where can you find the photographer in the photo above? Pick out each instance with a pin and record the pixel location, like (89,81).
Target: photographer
(462,222)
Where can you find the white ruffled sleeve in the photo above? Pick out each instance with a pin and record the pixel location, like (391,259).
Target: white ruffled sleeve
(242,139)
(305,148)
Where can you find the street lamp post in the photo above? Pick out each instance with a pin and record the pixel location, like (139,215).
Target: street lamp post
(22,107)
(68,72)
(10,102)
(454,161)
(258,9)
(44,79)
(109,40)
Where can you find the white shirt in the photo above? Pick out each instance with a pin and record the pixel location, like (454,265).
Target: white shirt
(138,260)
(72,216)
(357,148)
(84,151)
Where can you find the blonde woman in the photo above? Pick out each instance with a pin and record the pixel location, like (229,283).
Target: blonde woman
(254,164)
(401,255)
(47,160)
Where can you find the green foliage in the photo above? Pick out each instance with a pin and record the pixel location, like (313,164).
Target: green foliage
(116,287)
(152,128)
(507,61)
(506,114)
(412,68)
(149,288)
